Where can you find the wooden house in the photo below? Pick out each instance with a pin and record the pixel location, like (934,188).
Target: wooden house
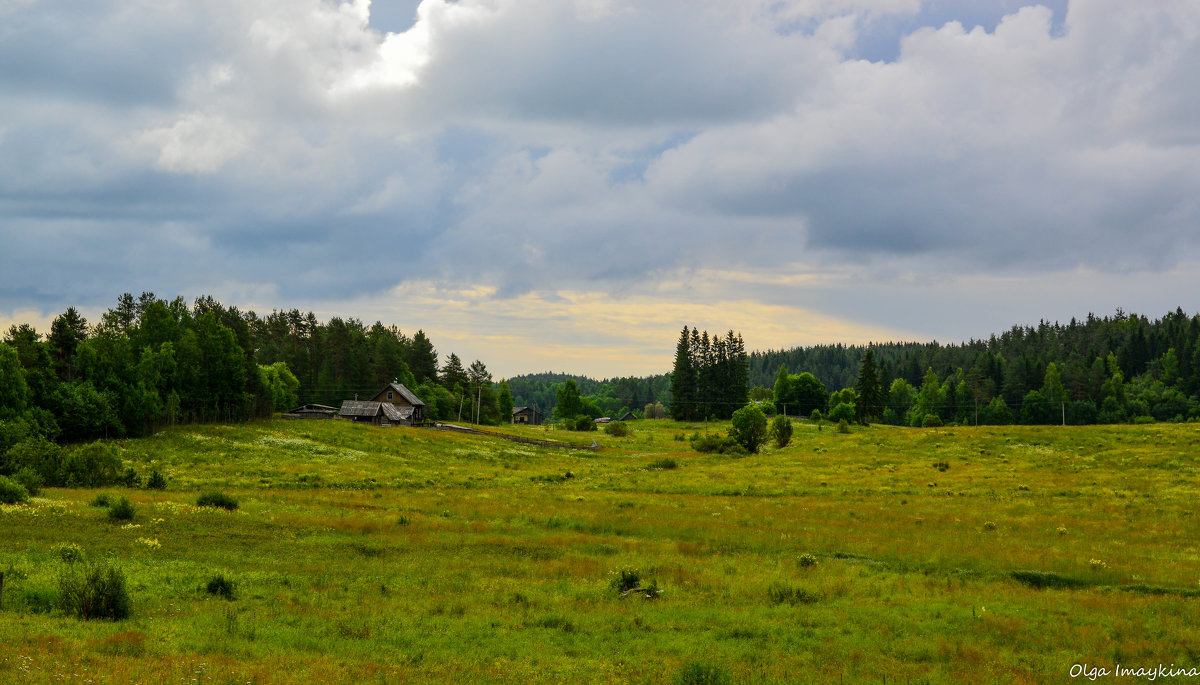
(628,417)
(527,415)
(395,405)
(312,411)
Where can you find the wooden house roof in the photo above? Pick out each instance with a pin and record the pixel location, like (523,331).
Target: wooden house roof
(360,408)
(405,393)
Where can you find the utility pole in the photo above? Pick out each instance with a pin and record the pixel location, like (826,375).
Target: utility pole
(1064,412)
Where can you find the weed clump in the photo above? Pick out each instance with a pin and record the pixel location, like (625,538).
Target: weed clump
(700,673)
(97,591)
(220,586)
(156,481)
(807,560)
(1047,579)
(664,464)
(553,478)
(121,510)
(843,427)
(12,492)
(68,552)
(217,500)
(782,593)
(941,466)
(101,499)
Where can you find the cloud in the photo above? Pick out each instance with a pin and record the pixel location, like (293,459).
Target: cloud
(293,152)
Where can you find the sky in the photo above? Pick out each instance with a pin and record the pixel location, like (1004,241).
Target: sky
(562,185)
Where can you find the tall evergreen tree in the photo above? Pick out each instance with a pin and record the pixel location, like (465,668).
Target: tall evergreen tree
(869,405)
(683,379)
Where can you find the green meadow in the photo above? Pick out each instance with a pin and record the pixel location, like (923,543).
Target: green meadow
(382,555)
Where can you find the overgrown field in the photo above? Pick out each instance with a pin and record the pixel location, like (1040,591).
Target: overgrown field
(361,554)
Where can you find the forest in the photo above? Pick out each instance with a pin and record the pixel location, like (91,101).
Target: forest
(1114,369)
(150,362)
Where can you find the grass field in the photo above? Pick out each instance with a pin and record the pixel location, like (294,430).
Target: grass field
(361,554)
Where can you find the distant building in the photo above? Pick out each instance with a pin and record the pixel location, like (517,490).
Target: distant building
(604,419)
(527,415)
(395,405)
(628,417)
(311,411)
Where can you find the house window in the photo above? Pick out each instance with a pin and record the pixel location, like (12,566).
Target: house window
(389,395)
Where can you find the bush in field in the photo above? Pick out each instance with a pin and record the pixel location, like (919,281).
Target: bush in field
(664,464)
(583,422)
(931,421)
(220,586)
(102,499)
(700,673)
(618,429)
(843,427)
(710,444)
(91,466)
(31,479)
(37,454)
(781,431)
(749,428)
(156,481)
(12,492)
(842,412)
(217,499)
(94,591)
(121,510)
(626,579)
(68,552)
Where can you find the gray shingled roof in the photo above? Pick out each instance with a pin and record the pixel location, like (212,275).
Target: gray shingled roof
(406,394)
(360,408)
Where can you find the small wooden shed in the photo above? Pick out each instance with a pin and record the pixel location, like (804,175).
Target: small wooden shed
(526,415)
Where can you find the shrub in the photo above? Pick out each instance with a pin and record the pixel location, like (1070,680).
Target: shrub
(843,411)
(626,579)
(700,673)
(31,479)
(618,429)
(218,500)
(37,454)
(97,591)
(121,510)
(12,492)
(131,479)
(843,427)
(91,466)
(102,499)
(68,552)
(583,422)
(664,464)
(781,431)
(807,560)
(714,443)
(156,481)
(749,428)
(816,415)
(220,586)
(931,421)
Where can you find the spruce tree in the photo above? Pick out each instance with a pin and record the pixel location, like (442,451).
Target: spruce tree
(683,378)
(869,405)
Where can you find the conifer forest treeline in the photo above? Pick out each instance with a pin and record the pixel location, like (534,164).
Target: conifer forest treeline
(150,362)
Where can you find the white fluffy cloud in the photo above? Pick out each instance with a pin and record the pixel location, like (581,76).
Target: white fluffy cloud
(590,145)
